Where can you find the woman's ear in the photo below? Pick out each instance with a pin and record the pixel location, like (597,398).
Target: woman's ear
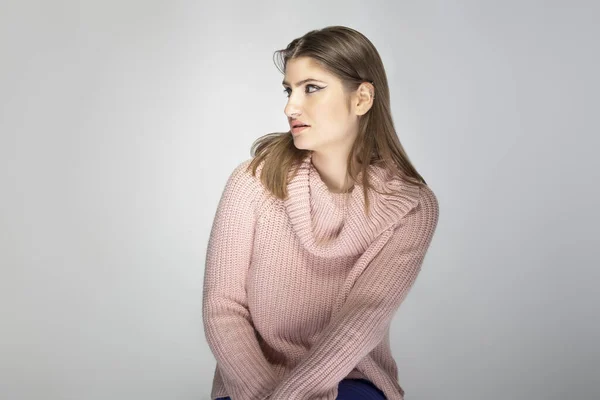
(364,97)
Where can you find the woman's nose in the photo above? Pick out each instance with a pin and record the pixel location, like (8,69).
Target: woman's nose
(293,114)
(292,110)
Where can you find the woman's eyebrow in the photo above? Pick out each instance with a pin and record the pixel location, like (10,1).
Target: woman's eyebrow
(301,82)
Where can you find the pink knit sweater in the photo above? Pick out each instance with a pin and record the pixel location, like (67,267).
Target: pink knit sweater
(299,294)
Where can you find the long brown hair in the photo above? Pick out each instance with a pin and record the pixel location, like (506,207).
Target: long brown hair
(350,56)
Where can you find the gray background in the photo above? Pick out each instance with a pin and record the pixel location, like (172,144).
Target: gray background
(121,121)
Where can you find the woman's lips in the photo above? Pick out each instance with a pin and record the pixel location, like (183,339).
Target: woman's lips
(298,129)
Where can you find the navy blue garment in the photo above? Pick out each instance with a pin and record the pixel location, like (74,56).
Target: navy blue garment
(353,389)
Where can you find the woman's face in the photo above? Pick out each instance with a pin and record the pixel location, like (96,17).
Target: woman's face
(317,98)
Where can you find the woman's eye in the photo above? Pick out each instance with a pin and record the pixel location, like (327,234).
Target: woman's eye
(286,90)
(315,86)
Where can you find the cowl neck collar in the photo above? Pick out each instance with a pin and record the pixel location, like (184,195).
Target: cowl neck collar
(335,224)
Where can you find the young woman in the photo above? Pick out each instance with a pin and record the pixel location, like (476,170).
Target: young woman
(318,238)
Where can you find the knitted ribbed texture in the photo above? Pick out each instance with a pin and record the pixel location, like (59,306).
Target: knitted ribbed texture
(299,294)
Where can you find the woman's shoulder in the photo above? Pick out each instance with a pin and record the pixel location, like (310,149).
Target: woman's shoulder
(245,185)
(243,171)
(428,205)
(241,175)
(429,196)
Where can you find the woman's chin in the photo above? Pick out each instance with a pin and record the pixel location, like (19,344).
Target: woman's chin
(301,144)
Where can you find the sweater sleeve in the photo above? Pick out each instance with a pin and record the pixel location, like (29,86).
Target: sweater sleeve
(366,314)
(246,373)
